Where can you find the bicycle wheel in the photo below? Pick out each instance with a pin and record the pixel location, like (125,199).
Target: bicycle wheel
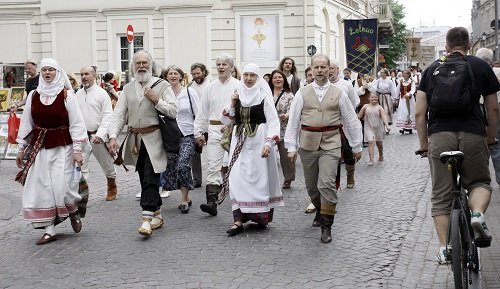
(458,255)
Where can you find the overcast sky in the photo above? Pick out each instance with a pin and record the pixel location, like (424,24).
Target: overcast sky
(437,13)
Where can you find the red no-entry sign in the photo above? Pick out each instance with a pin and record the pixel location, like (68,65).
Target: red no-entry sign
(130,33)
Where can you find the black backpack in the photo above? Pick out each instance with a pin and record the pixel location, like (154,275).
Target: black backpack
(453,89)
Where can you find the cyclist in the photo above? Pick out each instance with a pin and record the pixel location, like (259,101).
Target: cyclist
(470,133)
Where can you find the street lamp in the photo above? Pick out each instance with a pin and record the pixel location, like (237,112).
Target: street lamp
(483,38)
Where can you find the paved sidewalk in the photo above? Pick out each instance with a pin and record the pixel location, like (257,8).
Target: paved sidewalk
(383,238)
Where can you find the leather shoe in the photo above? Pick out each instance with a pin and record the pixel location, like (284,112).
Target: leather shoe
(197,184)
(76,225)
(235,230)
(190,203)
(46,238)
(209,208)
(326,235)
(185,208)
(286,185)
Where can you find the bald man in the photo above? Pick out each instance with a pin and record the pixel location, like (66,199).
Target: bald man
(95,105)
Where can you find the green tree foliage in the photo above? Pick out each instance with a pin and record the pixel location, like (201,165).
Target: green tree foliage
(397,46)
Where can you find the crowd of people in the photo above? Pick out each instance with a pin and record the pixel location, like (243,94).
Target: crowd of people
(242,122)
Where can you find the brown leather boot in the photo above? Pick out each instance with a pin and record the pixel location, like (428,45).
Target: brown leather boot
(112,190)
(350,175)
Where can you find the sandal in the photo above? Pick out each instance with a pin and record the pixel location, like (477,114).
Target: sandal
(370,163)
(286,185)
(235,230)
(46,238)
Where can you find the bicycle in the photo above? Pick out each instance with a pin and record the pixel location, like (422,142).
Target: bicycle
(460,237)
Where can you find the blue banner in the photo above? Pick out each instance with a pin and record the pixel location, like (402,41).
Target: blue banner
(361,44)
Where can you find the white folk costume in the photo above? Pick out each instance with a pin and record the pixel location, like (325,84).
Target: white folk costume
(97,111)
(216,96)
(254,186)
(406,108)
(53,120)
(386,91)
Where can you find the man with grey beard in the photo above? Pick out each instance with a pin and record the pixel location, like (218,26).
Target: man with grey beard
(95,106)
(138,107)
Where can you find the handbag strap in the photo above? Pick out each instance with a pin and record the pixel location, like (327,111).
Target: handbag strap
(279,97)
(189,97)
(156,83)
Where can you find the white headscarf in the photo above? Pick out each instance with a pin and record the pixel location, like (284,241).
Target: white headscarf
(254,95)
(52,89)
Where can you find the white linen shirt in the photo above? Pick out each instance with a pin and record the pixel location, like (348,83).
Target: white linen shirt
(348,117)
(96,109)
(349,89)
(200,87)
(215,98)
(185,119)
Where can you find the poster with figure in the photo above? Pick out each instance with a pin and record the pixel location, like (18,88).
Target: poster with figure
(16,95)
(259,39)
(4,99)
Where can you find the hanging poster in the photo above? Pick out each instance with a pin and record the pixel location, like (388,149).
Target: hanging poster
(361,44)
(259,37)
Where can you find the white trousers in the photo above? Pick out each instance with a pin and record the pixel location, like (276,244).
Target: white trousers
(215,155)
(102,156)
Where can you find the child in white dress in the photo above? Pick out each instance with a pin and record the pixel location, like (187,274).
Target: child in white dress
(376,124)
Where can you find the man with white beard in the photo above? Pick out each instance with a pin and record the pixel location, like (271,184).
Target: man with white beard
(138,107)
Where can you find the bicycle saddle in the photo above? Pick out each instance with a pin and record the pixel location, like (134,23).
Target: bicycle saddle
(446,156)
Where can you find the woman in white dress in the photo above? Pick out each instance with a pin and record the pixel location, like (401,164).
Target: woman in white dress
(385,88)
(406,108)
(50,174)
(252,179)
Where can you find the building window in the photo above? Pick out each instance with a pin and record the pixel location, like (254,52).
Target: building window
(138,45)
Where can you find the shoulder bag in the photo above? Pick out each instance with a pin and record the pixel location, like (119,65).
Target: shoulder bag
(170,132)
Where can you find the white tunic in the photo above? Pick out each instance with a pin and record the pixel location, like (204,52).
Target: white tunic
(136,110)
(349,89)
(215,98)
(96,109)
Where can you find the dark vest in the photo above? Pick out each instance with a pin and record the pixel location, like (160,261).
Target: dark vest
(54,118)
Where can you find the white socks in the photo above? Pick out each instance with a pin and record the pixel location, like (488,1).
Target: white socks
(51,230)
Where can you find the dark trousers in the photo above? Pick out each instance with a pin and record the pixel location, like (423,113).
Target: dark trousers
(150,195)
(196,167)
(347,153)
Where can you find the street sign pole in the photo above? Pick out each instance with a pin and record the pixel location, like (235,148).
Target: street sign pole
(130,38)
(496,31)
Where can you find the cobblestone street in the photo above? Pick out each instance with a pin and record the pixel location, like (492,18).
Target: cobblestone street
(383,237)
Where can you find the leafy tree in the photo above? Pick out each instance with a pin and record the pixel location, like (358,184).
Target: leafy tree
(397,45)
